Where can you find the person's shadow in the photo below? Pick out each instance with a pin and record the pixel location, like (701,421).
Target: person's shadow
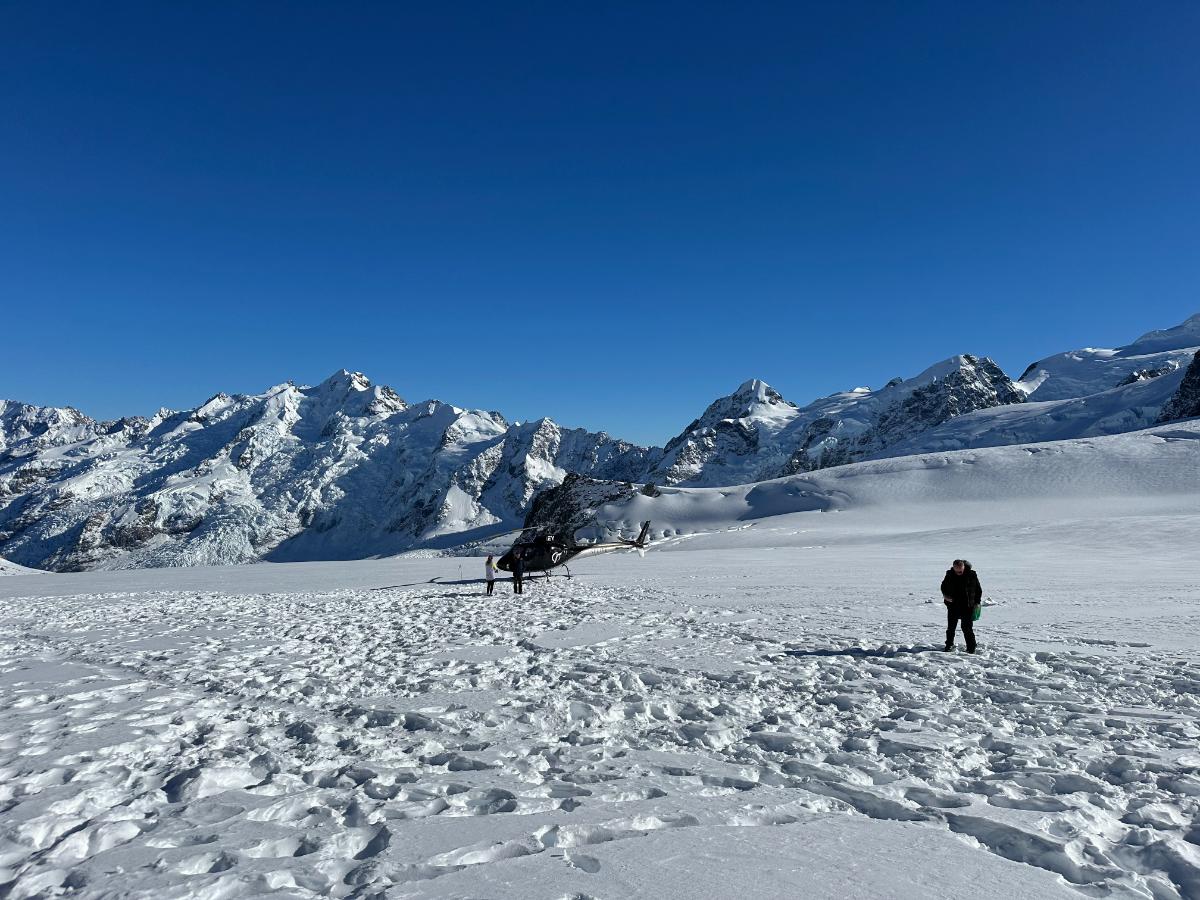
(861,652)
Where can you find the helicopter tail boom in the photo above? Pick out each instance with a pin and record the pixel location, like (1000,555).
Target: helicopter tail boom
(640,543)
(596,549)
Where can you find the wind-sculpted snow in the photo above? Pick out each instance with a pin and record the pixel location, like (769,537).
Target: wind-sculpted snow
(423,740)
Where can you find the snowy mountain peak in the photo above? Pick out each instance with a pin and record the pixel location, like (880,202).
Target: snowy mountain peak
(753,400)
(727,438)
(1183,336)
(343,381)
(848,427)
(755,391)
(41,426)
(963,363)
(384,401)
(1081,373)
(353,394)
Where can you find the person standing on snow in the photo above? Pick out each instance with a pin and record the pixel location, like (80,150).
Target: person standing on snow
(518,573)
(962,595)
(489,572)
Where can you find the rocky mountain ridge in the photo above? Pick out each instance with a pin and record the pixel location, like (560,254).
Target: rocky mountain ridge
(1185,403)
(347,469)
(341,470)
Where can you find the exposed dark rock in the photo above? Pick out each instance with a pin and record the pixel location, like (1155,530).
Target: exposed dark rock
(1186,402)
(1144,375)
(564,509)
(975,384)
(727,435)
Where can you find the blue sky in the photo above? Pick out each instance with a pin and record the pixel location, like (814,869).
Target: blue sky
(608,214)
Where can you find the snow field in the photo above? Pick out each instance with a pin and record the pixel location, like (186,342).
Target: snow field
(759,705)
(11,568)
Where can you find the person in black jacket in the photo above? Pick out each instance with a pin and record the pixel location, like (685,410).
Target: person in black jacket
(518,573)
(962,594)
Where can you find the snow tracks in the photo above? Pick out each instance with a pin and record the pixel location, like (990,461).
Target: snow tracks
(379,743)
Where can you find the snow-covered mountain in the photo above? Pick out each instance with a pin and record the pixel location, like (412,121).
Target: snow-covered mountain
(965,401)
(754,434)
(340,470)
(347,469)
(1082,373)
(1128,407)
(1082,393)
(904,409)
(1163,461)
(736,440)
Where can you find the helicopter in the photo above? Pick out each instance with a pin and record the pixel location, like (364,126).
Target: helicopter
(545,551)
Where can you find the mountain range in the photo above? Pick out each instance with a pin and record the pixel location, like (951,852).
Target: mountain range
(348,469)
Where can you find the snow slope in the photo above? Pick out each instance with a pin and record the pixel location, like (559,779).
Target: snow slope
(1079,373)
(751,709)
(8,568)
(1160,461)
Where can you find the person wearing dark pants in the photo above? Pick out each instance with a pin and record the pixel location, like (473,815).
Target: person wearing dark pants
(518,572)
(489,573)
(962,594)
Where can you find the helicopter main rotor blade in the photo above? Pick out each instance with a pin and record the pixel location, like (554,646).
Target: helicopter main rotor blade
(498,537)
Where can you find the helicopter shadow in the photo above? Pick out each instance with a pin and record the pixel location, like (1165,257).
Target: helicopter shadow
(438,581)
